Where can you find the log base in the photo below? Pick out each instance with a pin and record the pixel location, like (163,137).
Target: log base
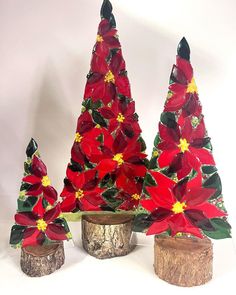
(183,261)
(107,236)
(37,261)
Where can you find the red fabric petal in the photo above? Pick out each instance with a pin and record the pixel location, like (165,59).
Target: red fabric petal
(99,65)
(161,196)
(50,194)
(32,179)
(169,134)
(204,156)
(38,167)
(211,211)
(123,86)
(162,180)
(68,204)
(149,205)
(52,214)
(26,218)
(185,66)
(38,208)
(166,157)
(157,228)
(198,195)
(176,101)
(33,237)
(106,166)
(56,232)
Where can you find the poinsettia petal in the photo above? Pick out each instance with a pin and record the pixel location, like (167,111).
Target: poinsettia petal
(160,214)
(104,27)
(38,208)
(178,76)
(33,238)
(119,144)
(68,204)
(179,189)
(176,101)
(162,180)
(185,66)
(56,232)
(161,196)
(210,210)
(50,194)
(38,167)
(123,86)
(157,228)
(52,214)
(106,166)
(198,195)
(166,157)
(99,64)
(148,204)
(32,179)
(169,134)
(26,218)
(204,156)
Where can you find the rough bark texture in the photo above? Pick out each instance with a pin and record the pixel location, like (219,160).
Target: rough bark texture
(43,260)
(183,261)
(106,236)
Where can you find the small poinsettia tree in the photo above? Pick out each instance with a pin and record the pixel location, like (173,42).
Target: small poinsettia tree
(107,164)
(38,220)
(182,187)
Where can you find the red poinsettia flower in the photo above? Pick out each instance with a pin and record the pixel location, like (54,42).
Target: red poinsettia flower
(40,182)
(107,39)
(183,90)
(107,79)
(183,148)
(41,226)
(85,139)
(180,207)
(121,115)
(81,192)
(121,157)
(130,193)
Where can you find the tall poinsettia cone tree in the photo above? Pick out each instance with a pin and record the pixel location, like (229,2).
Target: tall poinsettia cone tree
(38,221)
(107,164)
(182,187)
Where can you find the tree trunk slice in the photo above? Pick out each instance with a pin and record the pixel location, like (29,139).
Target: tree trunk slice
(183,261)
(107,236)
(37,261)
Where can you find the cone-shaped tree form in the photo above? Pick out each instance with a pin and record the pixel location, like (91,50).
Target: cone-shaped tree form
(38,218)
(107,157)
(183,183)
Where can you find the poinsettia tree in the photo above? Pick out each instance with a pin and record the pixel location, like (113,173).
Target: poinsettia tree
(107,164)
(182,187)
(39,218)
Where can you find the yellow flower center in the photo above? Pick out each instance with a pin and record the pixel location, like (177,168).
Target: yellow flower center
(79,194)
(175,179)
(99,38)
(135,197)
(183,145)
(120,118)
(119,159)
(192,87)
(46,181)
(41,225)
(178,207)
(98,126)
(155,153)
(78,137)
(109,77)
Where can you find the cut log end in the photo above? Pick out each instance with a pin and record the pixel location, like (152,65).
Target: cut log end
(37,261)
(107,236)
(183,261)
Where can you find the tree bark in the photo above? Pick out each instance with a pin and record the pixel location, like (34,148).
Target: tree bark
(107,236)
(183,261)
(37,261)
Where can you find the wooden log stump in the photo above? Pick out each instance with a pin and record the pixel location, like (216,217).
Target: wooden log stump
(107,236)
(37,261)
(183,261)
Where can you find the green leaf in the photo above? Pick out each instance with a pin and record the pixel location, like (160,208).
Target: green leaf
(153,163)
(168,119)
(31,148)
(106,9)
(87,104)
(214,182)
(96,104)
(17,232)
(157,140)
(111,192)
(222,229)
(26,205)
(149,181)
(143,144)
(27,168)
(97,117)
(25,186)
(140,223)
(209,169)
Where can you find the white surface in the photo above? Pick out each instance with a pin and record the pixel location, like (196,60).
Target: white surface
(131,274)
(45,50)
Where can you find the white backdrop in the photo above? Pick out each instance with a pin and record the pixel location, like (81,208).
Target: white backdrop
(45,51)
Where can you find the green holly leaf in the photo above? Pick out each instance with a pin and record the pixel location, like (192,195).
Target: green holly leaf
(149,181)
(17,232)
(26,205)
(209,169)
(153,163)
(140,223)
(168,119)
(222,229)
(97,117)
(31,148)
(157,140)
(63,223)
(214,182)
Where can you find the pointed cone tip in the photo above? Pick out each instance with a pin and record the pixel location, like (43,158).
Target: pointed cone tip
(184,49)
(106,9)
(31,148)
